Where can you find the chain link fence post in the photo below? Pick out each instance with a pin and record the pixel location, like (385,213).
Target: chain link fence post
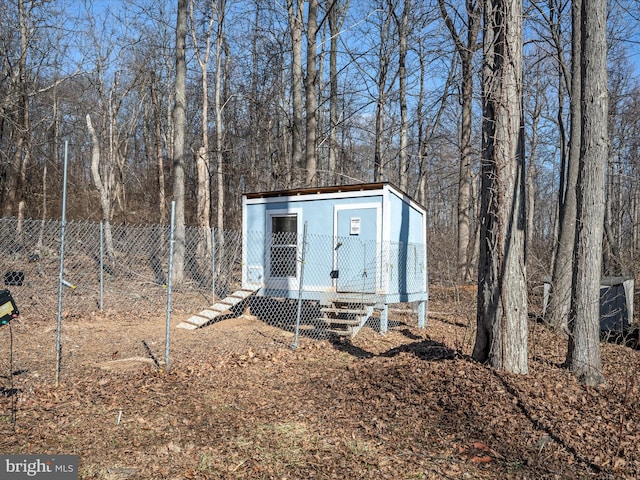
(101,266)
(61,271)
(213,266)
(302,263)
(169,286)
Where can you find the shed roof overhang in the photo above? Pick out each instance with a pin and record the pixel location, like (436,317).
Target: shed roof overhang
(358,187)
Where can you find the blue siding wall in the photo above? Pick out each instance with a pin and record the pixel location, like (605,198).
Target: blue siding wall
(401,266)
(407,261)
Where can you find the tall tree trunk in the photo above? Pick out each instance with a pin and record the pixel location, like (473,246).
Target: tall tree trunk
(402,73)
(220,72)
(15,182)
(379,167)
(613,266)
(53,158)
(179,118)
(379,174)
(583,356)
(420,191)
(561,280)
(102,187)
(336,18)
(203,198)
(531,171)
(295,9)
(501,337)
(310,166)
(464,186)
(158,151)
(465,50)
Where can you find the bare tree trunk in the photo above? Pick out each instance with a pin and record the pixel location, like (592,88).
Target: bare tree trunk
(557,312)
(158,151)
(420,191)
(295,9)
(465,50)
(583,356)
(501,337)
(531,170)
(26,158)
(179,118)
(560,299)
(402,58)
(203,199)
(310,166)
(379,167)
(379,174)
(465,199)
(336,19)
(614,265)
(103,190)
(53,158)
(611,258)
(16,180)
(220,132)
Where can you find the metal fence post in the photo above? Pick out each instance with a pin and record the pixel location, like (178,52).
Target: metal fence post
(167,340)
(302,262)
(213,266)
(61,272)
(101,266)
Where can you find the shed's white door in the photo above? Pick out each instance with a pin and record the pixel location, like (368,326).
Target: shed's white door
(283,268)
(356,249)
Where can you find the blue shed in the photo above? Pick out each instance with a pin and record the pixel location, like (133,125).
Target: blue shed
(352,248)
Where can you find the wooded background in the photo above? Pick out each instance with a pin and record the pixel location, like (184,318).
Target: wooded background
(392,92)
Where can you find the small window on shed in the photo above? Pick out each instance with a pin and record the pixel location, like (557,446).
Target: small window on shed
(284,245)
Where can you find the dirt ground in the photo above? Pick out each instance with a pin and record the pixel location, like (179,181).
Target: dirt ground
(238,402)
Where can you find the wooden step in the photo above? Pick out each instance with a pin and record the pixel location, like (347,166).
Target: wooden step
(345,319)
(355,298)
(242,294)
(195,321)
(342,321)
(187,325)
(223,307)
(340,333)
(349,311)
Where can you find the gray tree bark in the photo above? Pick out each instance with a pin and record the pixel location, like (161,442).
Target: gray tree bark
(16,178)
(336,19)
(157,122)
(218,104)
(295,9)
(583,356)
(203,162)
(465,50)
(104,189)
(403,27)
(501,338)
(561,280)
(179,119)
(379,167)
(310,164)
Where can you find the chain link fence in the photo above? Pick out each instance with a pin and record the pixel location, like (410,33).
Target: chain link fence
(316,287)
(129,268)
(321,286)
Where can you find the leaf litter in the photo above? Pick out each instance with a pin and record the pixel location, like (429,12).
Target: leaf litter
(408,404)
